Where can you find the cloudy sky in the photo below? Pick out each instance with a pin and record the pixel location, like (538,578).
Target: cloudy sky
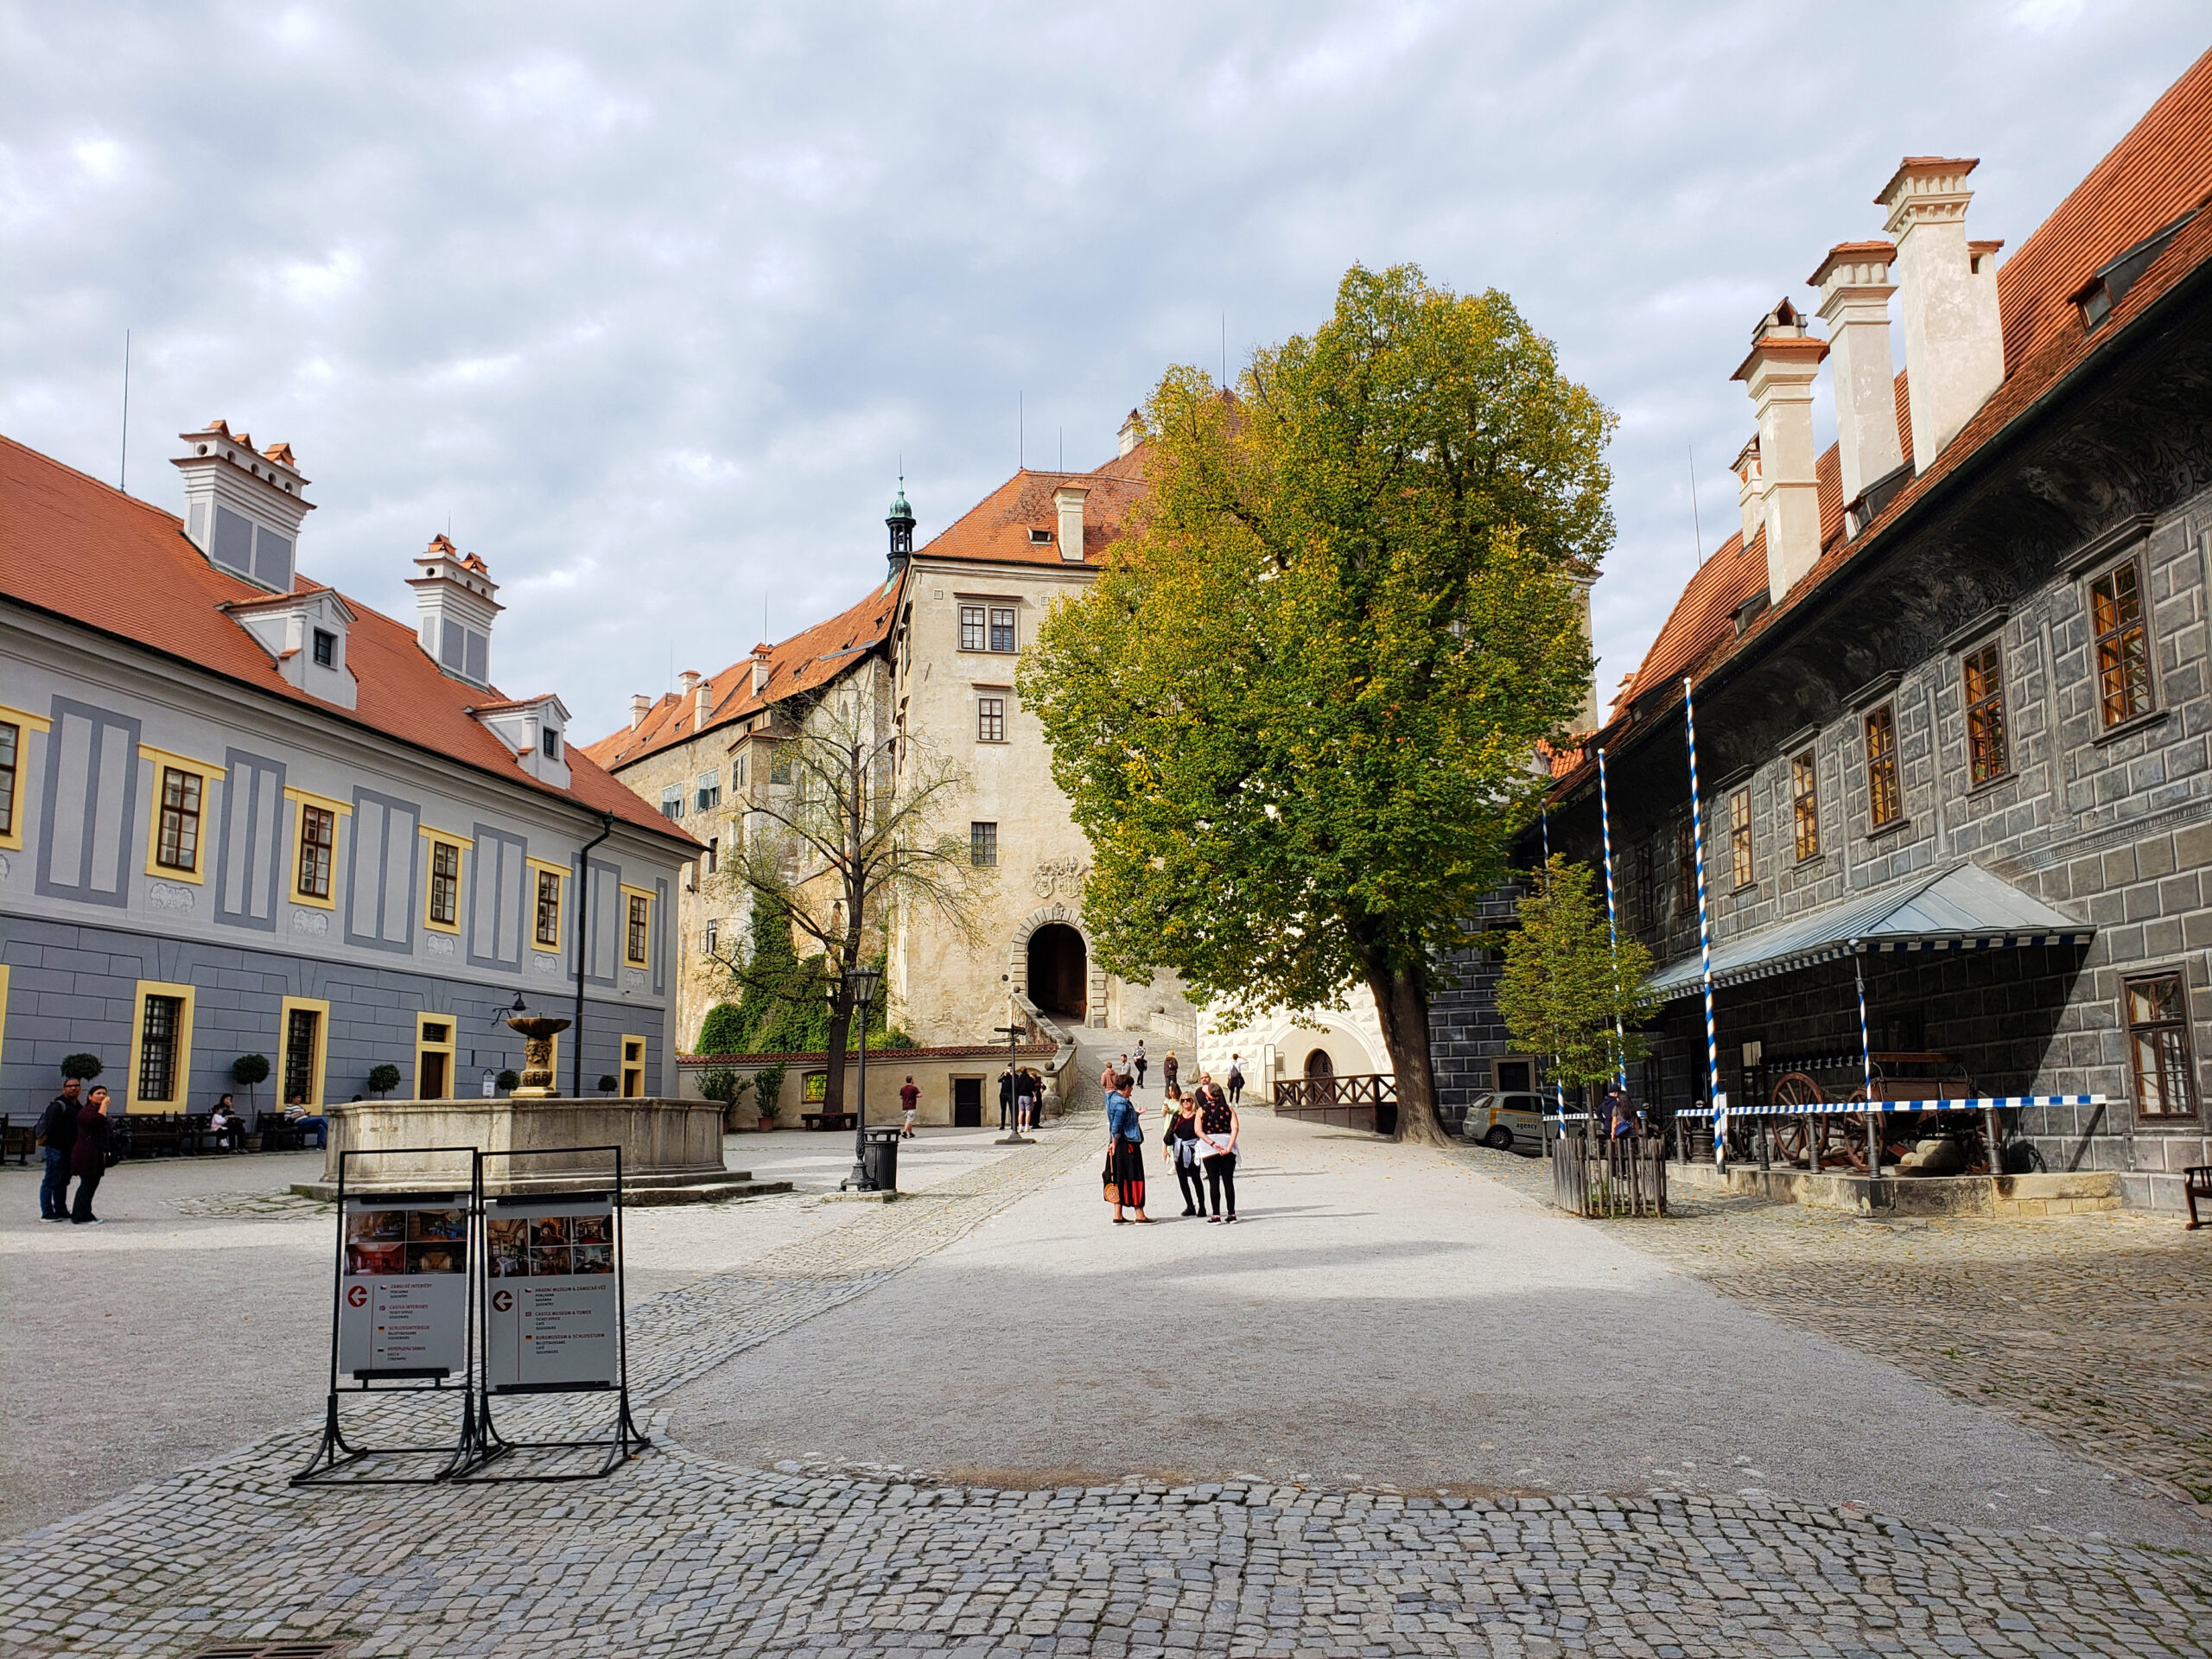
(648,301)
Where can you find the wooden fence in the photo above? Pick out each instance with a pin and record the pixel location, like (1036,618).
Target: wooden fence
(1593,1174)
(1367,1101)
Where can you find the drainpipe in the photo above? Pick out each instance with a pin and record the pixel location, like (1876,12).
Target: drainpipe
(583,953)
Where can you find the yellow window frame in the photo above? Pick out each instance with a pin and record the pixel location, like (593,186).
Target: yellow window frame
(461,845)
(209,774)
(190,996)
(623,921)
(320,1067)
(423,1046)
(338,812)
(25,723)
(633,1065)
(538,867)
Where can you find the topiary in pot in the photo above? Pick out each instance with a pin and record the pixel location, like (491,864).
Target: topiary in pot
(608,1085)
(248,1070)
(509,1078)
(82,1067)
(383,1079)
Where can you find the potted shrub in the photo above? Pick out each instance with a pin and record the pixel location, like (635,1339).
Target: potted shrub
(608,1085)
(383,1079)
(726,1088)
(509,1080)
(767,1094)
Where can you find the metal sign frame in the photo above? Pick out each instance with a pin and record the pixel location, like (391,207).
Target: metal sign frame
(626,1441)
(334,1452)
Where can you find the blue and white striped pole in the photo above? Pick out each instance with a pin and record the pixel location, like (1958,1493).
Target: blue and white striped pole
(1867,1061)
(1704,940)
(1613,921)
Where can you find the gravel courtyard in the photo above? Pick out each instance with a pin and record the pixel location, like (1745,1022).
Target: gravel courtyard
(1399,1409)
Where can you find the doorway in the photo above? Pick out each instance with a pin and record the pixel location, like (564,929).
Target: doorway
(1059,969)
(1318,1064)
(967,1103)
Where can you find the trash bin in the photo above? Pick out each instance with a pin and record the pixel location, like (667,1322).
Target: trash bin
(880,1160)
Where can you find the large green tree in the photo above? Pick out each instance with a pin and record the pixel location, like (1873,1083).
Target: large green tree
(1297,713)
(1569,991)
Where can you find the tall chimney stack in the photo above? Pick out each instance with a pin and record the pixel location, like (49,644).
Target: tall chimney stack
(1068,501)
(1748,485)
(702,704)
(1954,342)
(1779,373)
(760,668)
(1132,432)
(1855,290)
(640,706)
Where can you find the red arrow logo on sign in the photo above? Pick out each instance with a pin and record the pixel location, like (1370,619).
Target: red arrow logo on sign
(503,1300)
(358,1296)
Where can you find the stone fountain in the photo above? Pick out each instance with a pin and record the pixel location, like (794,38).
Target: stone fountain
(539,1032)
(672,1148)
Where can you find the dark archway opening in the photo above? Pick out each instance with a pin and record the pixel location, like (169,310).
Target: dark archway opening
(1059,969)
(1318,1064)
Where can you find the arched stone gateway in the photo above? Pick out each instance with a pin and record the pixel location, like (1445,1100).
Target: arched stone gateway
(1052,961)
(1058,970)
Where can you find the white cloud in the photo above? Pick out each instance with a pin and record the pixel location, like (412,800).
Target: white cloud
(652,300)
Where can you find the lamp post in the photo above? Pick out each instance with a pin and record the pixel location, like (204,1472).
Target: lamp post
(861,982)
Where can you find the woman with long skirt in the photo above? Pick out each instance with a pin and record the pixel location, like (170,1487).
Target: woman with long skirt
(1124,1153)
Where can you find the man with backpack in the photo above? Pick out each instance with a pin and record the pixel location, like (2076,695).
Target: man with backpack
(57,1135)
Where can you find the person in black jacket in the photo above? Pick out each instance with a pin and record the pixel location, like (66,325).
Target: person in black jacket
(57,1132)
(89,1156)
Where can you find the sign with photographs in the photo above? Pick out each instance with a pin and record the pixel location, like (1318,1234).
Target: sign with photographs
(402,1292)
(552,1314)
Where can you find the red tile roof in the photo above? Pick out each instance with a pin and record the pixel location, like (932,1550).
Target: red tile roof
(805,661)
(996,528)
(76,548)
(2159,171)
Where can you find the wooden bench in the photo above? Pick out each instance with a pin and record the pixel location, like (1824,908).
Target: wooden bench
(2196,1184)
(152,1134)
(278,1132)
(829,1121)
(16,1141)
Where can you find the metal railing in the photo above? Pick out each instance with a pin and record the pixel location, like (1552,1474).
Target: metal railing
(1601,1175)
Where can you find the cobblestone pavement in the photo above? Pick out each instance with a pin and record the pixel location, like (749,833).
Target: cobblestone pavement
(2093,1330)
(681,1555)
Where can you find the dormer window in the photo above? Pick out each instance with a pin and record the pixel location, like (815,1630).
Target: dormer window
(325,648)
(550,741)
(1040,539)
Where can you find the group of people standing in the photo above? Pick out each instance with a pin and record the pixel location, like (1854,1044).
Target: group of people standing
(1200,1132)
(1021,1099)
(73,1134)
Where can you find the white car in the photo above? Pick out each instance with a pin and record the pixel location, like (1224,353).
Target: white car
(1509,1123)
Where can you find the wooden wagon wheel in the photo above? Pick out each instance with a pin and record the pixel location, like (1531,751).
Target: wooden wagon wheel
(1850,1130)
(1792,1133)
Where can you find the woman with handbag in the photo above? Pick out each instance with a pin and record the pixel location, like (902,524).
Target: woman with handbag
(1124,1152)
(1181,1139)
(1219,1127)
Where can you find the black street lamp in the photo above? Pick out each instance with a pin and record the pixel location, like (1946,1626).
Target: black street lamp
(861,983)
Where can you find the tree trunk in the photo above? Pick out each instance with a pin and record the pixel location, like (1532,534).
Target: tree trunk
(1402,1003)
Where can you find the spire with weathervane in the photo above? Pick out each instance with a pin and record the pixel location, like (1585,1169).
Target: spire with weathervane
(900,520)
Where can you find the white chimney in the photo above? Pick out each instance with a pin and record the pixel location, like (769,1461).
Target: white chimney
(1068,501)
(1779,373)
(640,706)
(455,607)
(1132,432)
(702,704)
(1746,468)
(1585,719)
(1954,342)
(243,509)
(1855,290)
(687,679)
(760,668)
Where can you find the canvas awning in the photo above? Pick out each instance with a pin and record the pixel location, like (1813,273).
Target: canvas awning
(1962,907)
